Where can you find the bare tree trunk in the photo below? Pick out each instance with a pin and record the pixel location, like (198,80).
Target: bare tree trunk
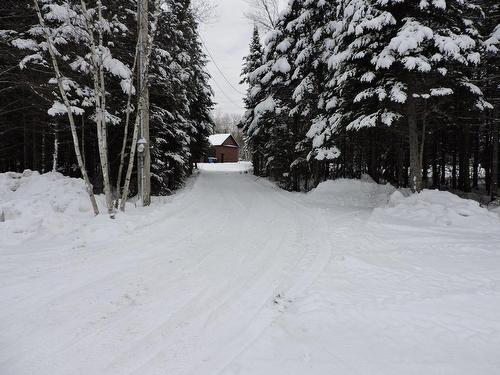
(422,145)
(131,160)
(35,140)
(494,160)
(83,139)
(105,167)
(25,143)
(415,151)
(454,167)
(143,85)
(466,158)
(67,104)
(144,159)
(475,172)
(55,154)
(442,181)
(100,100)
(43,156)
(125,132)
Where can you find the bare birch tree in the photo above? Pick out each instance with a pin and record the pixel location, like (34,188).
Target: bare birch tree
(55,154)
(143,86)
(67,104)
(97,58)
(128,112)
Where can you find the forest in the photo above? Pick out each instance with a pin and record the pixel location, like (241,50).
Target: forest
(249,187)
(406,92)
(90,48)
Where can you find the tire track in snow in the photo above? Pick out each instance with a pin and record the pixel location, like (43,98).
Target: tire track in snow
(225,289)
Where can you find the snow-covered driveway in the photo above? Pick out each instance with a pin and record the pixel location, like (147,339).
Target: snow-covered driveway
(234,276)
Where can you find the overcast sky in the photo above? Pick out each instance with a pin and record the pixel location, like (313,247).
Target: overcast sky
(227,38)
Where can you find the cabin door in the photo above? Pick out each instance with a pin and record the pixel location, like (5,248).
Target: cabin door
(222,158)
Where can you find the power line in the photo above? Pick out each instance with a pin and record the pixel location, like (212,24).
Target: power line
(218,68)
(226,96)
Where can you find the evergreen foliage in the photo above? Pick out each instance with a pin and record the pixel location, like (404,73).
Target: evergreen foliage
(389,88)
(181,98)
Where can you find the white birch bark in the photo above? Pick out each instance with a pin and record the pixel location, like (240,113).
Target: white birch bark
(100,99)
(125,132)
(60,83)
(131,160)
(144,162)
(144,82)
(55,154)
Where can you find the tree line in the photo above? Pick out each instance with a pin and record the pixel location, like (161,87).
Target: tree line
(405,91)
(70,92)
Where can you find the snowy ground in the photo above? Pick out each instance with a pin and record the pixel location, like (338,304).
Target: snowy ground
(234,276)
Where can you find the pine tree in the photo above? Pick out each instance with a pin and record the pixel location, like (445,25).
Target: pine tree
(390,58)
(180,96)
(490,74)
(308,77)
(251,63)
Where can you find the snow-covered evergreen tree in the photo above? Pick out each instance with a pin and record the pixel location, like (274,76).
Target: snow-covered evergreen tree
(392,59)
(93,37)
(306,52)
(181,97)
(490,79)
(250,75)
(284,94)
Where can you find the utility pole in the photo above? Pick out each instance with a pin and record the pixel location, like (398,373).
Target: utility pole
(143,145)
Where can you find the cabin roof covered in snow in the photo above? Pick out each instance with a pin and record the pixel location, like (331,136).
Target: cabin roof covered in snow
(218,139)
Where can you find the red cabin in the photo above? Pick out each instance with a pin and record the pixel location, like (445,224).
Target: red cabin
(224,148)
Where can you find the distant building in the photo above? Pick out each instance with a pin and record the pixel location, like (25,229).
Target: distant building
(224,148)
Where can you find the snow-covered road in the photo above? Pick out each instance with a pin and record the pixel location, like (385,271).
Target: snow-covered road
(234,276)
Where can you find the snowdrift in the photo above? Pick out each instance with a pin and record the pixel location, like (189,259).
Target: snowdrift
(352,193)
(392,206)
(435,208)
(40,204)
(43,206)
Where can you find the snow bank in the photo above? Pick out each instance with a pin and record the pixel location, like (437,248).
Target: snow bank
(40,204)
(496,211)
(436,208)
(352,193)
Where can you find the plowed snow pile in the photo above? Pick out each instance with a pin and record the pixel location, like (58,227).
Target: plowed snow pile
(352,193)
(435,208)
(42,205)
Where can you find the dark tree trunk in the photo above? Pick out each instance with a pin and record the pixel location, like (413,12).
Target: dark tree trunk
(44,150)
(454,169)
(413,139)
(464,160)
(400,164)
(25,144)
(475,171)
(487,158)
(494,160)
(434,158)
(443,159)
(35,142)
(425,168)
